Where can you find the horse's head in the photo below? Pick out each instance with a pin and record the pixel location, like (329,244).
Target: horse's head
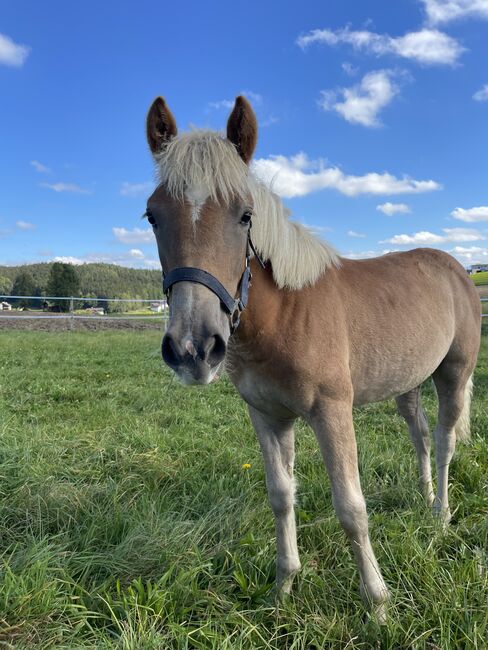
(200,213)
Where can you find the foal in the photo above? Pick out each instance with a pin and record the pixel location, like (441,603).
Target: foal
(318,334)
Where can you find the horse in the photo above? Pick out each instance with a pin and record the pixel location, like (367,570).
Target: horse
(301,331)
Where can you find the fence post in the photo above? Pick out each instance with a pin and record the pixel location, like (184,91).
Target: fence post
(72,312)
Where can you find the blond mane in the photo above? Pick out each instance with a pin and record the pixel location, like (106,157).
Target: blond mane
(205,159)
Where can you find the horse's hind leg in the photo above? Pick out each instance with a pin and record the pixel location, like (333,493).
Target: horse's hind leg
(453,383)
(410,407)
(276,438)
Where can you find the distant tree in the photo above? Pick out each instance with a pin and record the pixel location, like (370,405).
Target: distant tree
(63,281)
(6,285)
(24,285)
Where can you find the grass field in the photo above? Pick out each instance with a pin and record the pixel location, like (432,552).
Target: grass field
(480,278)
(128,521)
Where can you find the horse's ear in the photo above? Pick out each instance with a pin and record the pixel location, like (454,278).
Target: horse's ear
(160,126)
(242,128)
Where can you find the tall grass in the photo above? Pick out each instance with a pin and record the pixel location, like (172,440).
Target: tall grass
(127,519)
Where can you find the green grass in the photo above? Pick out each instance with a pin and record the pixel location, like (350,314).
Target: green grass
(127,520)
(480,278)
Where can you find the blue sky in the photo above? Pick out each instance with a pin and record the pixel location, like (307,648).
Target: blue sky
(373,118)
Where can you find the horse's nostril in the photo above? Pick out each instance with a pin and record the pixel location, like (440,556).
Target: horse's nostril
(215,350)
(193,351)
(170,352)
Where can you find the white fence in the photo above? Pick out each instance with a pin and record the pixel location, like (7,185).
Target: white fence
(156,309)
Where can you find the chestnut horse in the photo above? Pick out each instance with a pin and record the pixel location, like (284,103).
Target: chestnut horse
(317,333)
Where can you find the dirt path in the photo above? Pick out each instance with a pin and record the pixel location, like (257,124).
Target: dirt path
(28,321)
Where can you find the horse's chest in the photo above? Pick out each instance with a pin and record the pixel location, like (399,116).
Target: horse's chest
(262,380)
(262,393)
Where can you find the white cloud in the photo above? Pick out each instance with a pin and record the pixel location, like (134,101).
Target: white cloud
(39,167)
(65,187)
(254,98)
(317,228)
(470,250)
(426,238)
(427,46)
(362,255)
(318,231)
(12,53)
(68,259)
(152,264)
(470,254)
(222,103)
(393,208)
(136,189)
(353,233)
(362,103)
(298,176)
(471,215)
(25,225)
(134,236)
(136,253)
(121,259)
(443,11)
(482,94)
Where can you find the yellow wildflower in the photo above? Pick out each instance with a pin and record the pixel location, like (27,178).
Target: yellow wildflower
(246,466)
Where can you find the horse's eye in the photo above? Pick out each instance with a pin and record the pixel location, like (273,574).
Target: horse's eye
(246,217)
(151,219)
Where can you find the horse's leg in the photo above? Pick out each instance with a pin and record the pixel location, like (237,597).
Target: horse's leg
(410,408)
(451,384)
(276,438)
(334,428)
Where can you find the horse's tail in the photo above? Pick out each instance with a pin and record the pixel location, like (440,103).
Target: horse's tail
(463,428)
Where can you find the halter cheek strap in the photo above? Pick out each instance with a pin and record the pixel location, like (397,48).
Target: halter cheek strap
(232,306)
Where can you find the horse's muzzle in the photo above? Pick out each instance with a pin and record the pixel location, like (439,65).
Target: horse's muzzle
(195,360)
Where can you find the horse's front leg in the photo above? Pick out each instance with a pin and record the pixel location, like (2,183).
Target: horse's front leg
(276,438)
(333,426)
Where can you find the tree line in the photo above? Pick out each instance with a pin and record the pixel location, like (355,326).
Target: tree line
(96,282)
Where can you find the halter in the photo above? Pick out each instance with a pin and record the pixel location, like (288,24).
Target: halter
(232,306)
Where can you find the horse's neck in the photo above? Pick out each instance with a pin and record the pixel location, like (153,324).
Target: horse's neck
(262,314)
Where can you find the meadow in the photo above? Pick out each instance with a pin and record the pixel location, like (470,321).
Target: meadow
(481,278)
(133,514)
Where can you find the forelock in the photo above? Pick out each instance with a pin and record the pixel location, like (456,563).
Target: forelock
(203,159)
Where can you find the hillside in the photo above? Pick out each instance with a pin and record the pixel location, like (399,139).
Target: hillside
(97,280)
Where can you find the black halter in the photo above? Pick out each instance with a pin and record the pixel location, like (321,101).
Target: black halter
(232,306)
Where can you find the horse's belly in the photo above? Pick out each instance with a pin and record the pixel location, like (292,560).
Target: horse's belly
(382,379)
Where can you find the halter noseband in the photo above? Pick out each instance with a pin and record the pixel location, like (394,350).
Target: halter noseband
(232,306)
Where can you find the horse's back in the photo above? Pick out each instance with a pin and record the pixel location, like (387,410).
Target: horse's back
(423,282)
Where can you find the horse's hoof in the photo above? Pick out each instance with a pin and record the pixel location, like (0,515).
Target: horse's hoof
(443,515)
(379,612)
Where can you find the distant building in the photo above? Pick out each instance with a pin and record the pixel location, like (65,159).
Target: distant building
(158,307)
(5,306)
(477,268)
